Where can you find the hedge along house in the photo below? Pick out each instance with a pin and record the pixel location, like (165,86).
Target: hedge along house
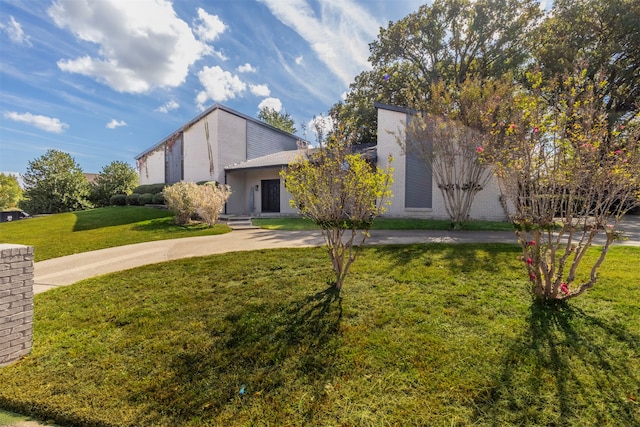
(415,192)
(220,137)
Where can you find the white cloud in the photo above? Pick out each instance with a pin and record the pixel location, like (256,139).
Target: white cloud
(115,123)
(273,103)
(219,85)
(142,43)
(168,106)
(339,33)
(49,124)
(260,90)
(246,68)
(15,32)
(299,60)
(210,27)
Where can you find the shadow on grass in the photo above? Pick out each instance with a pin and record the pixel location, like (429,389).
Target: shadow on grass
(567,368)
(112,216)
(260,351)
(460,257)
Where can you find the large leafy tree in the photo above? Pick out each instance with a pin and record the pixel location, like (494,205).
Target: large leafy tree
(10,191)
(565,178)
(605,36)
(449,40)
(54,183)
(279,119)
(341,192)
(115,178)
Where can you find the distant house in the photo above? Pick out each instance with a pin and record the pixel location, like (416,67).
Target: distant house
(229,147)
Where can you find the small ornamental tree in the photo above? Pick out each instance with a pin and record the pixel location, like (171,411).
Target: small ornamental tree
(342,193)
(565,178)
(445,133)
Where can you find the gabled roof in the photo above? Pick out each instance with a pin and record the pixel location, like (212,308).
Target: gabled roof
(281,158)
(204,114)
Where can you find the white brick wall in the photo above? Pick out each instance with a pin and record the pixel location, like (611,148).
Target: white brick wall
(16,302)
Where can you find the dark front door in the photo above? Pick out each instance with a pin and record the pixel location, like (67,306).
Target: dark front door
(270,195)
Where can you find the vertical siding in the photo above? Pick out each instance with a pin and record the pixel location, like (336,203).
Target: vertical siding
(262,141)
(173,161)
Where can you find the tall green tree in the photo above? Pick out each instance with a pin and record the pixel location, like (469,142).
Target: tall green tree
(450,41)
(602,35)
(341,192)
(279,119)
(115,178)
(54,183)
(10,191)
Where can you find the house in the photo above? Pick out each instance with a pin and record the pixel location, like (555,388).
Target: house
(415,192)
(226,146)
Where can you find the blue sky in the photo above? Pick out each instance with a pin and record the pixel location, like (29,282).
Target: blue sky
(104,80)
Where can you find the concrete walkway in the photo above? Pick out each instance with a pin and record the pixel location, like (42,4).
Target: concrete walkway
(72,268)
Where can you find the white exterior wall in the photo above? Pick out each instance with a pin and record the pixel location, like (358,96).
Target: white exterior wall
(246,200)
(199,154)
(391,124)
(152,169)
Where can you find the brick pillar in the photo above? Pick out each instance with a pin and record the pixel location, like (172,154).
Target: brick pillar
(16,302)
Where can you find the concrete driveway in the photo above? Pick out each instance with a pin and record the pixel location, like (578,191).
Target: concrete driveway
(72,268)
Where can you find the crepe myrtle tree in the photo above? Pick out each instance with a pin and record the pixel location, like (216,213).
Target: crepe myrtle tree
(565,178)
(342,193)
(445,133)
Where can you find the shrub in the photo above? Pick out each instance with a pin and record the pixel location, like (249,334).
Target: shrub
(132,199)
(188,198)
(118,200)
(149,188)
(145,199)
(180,198)
(158,199)
(211,200)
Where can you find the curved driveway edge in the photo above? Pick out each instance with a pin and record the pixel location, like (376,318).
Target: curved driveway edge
(72,268)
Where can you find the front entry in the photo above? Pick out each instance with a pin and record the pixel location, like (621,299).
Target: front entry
(270,195)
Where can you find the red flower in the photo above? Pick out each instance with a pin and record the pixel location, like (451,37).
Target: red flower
(479,150)
(564,288)
(536,129)
(529,261)
(532,277)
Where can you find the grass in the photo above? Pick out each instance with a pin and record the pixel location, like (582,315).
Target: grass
(74,232)
(384,224)
(420,335)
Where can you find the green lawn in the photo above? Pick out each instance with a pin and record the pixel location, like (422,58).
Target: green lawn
(384,224)
(421,335)
(74,232)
